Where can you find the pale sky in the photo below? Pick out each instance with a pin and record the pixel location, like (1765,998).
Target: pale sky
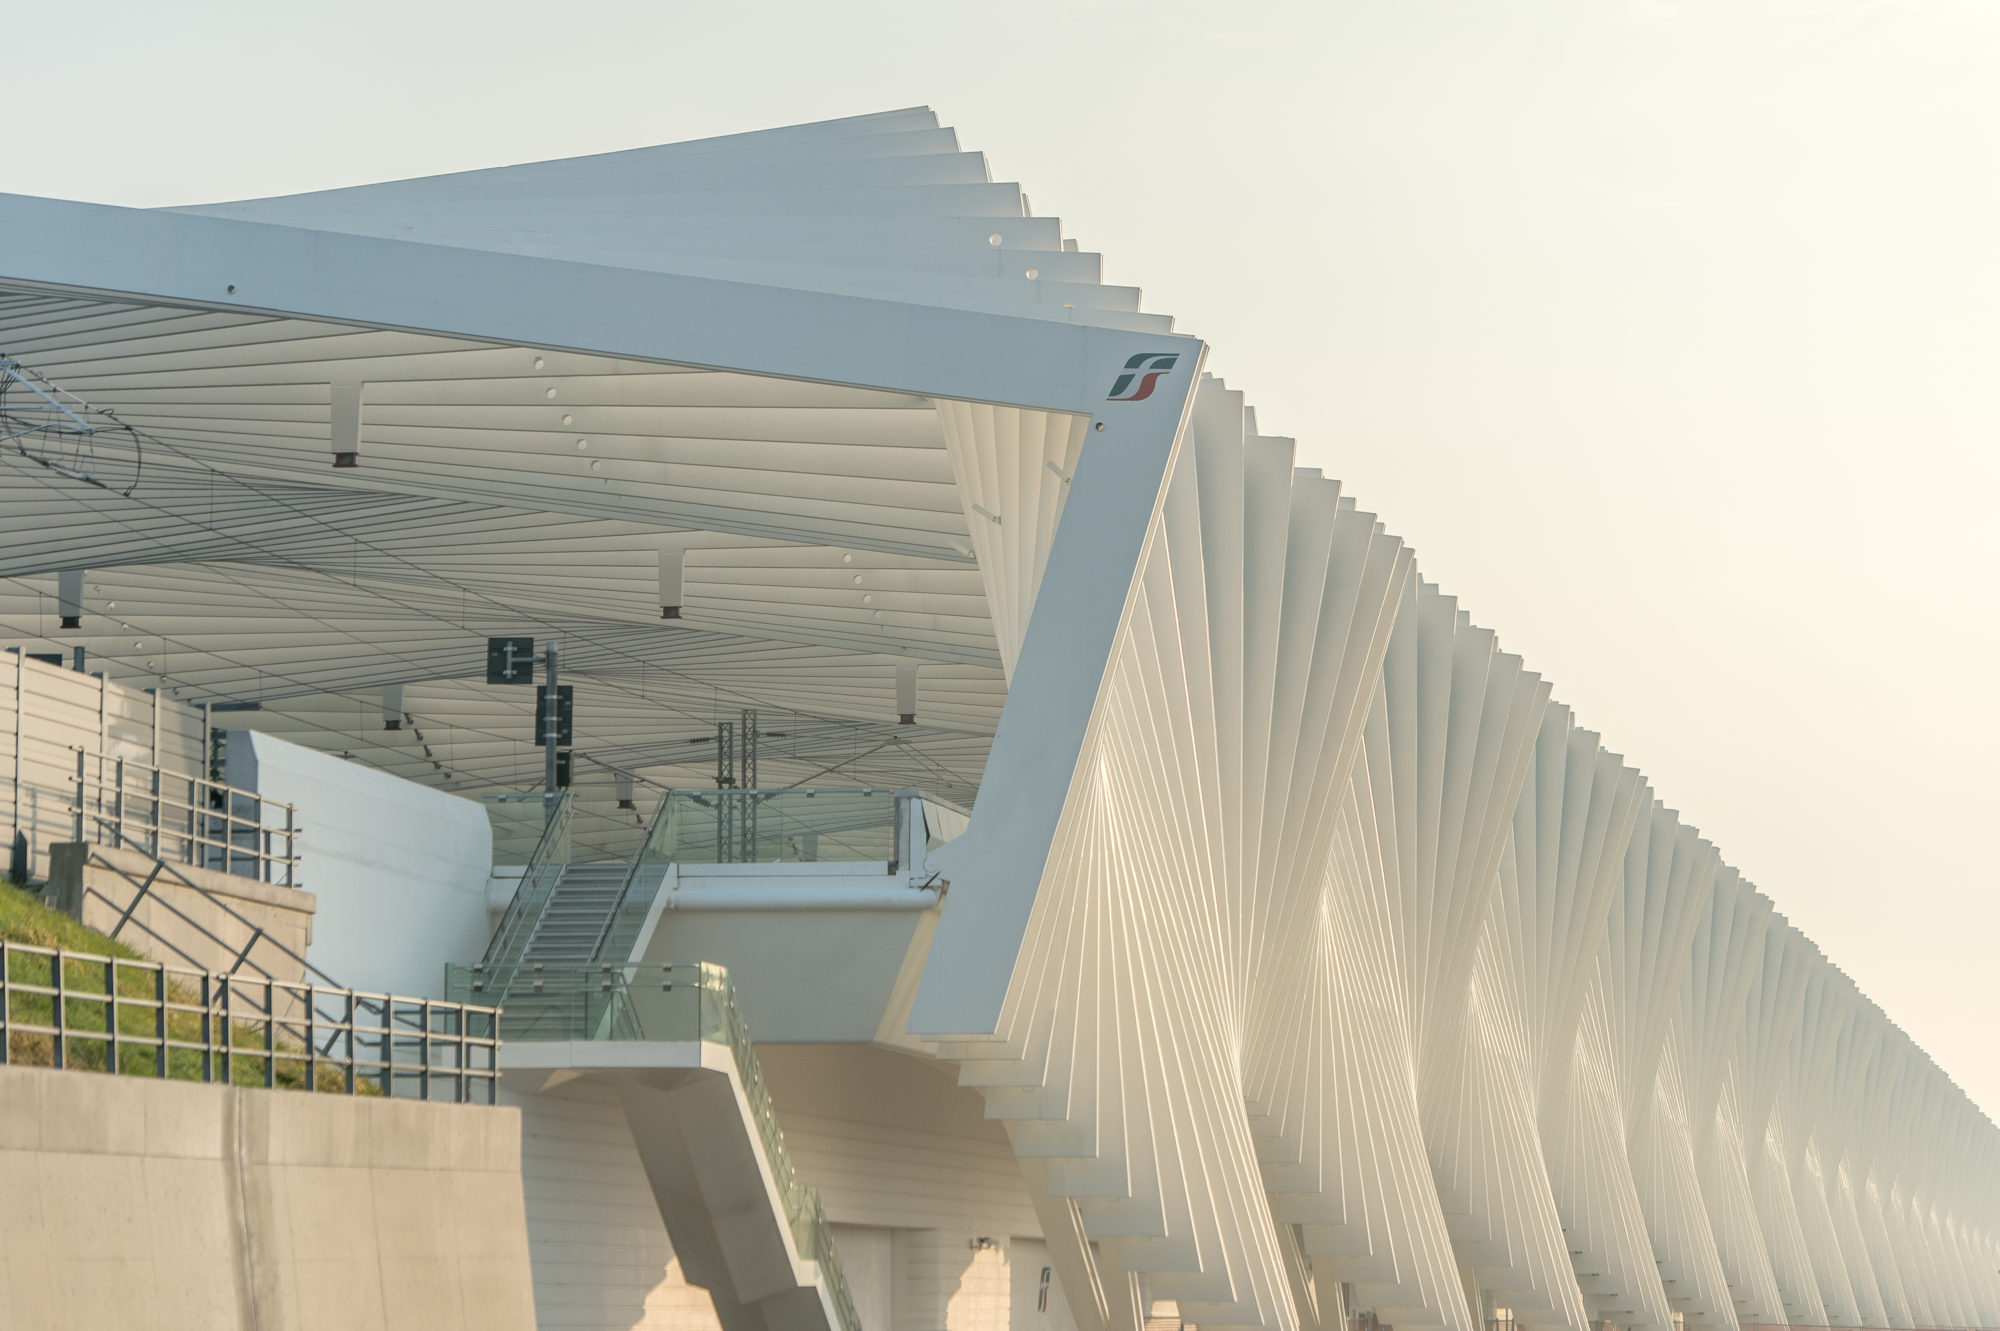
(1665,331)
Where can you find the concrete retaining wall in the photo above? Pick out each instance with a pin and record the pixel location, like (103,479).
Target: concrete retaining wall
(114,877)
(128,1202)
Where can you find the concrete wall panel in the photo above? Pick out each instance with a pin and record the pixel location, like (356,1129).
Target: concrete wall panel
(174,1205)
(97,884)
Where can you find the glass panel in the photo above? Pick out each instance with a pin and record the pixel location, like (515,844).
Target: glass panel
(544,870)
(822,825)
(639,1002)
(776,827)
(517,822)
(685,1002)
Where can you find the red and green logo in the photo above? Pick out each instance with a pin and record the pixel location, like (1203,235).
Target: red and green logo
(1141,372)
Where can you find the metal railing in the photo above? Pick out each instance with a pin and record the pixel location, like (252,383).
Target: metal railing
(849,825)
(791,826)
(144,1018)
(596,832)
(689,1001)
(856,825)
(183,818)
(622,927)
(544,870)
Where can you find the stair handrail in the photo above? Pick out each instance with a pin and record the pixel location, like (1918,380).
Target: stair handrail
(596,1002)
(544,868)
(806,1217)
(660,814)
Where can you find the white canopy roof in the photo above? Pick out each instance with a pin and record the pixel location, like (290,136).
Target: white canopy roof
(516,484)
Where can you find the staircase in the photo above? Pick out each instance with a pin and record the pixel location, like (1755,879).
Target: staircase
(574,919)
(678,1053)
(538,981)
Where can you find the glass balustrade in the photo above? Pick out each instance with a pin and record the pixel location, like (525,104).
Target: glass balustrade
(681,1003)
(544,868)
(852,825)
(775,827)
(518,823)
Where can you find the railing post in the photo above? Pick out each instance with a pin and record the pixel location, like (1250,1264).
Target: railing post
(118,803)
(424,1050)
(388,1048)
(161,1030)
(270,1032)
(79,796)
(154,846)
(228,1032)
(291,854)
(6,1005)
(111,1063)
(57,1015)
(207,1031)
(455,1045)
(312,1039)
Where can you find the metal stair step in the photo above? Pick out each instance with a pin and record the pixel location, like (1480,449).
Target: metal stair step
(577,913)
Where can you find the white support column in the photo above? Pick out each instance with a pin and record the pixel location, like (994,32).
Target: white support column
(1086,592)
(906,693)
(392,707)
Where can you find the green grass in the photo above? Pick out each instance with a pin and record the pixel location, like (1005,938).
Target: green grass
(87,1009)
(24,919)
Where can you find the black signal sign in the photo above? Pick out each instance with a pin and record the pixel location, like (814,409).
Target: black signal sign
(510,660)
(565,714)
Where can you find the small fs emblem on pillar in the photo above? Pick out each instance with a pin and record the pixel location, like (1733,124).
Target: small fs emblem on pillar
(1135,382)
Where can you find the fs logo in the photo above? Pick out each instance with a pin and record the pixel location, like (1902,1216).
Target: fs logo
(1141,372)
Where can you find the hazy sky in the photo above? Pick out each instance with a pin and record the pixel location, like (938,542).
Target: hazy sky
(1666,332)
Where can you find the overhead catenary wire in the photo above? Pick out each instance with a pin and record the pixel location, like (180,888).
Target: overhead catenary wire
(421,669)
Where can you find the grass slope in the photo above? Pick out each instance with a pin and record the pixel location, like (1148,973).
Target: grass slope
(87,1008)
(24,919)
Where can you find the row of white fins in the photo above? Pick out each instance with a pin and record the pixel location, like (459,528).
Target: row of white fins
(1361,975)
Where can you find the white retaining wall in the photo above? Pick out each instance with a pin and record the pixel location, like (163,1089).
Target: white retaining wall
(399,869)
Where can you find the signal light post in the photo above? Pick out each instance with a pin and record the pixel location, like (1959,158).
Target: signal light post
(513,661)
(551,731)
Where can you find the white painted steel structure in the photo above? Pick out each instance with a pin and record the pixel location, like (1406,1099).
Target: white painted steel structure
(1315,960)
